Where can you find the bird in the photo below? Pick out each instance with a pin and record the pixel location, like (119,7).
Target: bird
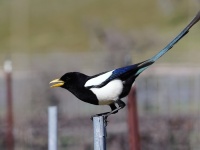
(109,87)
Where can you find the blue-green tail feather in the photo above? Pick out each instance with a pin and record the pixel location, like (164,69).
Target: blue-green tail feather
(170,45)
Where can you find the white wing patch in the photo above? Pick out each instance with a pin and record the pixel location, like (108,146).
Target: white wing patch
(99,79)
(108,93)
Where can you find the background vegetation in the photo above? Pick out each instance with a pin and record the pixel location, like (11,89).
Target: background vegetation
(47,38)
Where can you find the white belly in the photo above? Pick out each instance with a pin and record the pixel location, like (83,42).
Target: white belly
(108,93)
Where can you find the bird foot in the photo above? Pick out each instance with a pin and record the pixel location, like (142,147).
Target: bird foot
(104,115)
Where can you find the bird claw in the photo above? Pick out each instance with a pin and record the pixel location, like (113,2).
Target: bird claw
(104,115)
(97,115)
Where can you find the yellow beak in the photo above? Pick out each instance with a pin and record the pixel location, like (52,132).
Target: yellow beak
(56,83)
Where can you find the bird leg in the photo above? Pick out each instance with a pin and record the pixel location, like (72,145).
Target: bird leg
(114,109)
(121,105)
(112,106)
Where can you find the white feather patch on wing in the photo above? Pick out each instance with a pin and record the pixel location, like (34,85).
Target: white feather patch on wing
(99,79)
(108,93)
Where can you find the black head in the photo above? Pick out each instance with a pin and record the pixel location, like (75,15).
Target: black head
(70,79)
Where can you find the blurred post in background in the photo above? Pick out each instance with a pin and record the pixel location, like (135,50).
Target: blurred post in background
(52,141)
(134,138)
(9,114)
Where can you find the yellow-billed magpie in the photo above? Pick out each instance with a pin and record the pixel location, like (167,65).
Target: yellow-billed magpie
(108,88)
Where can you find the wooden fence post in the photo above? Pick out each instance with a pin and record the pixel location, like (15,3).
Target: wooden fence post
(134,138)
(9,117)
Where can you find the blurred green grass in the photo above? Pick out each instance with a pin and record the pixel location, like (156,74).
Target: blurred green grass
(64,25)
